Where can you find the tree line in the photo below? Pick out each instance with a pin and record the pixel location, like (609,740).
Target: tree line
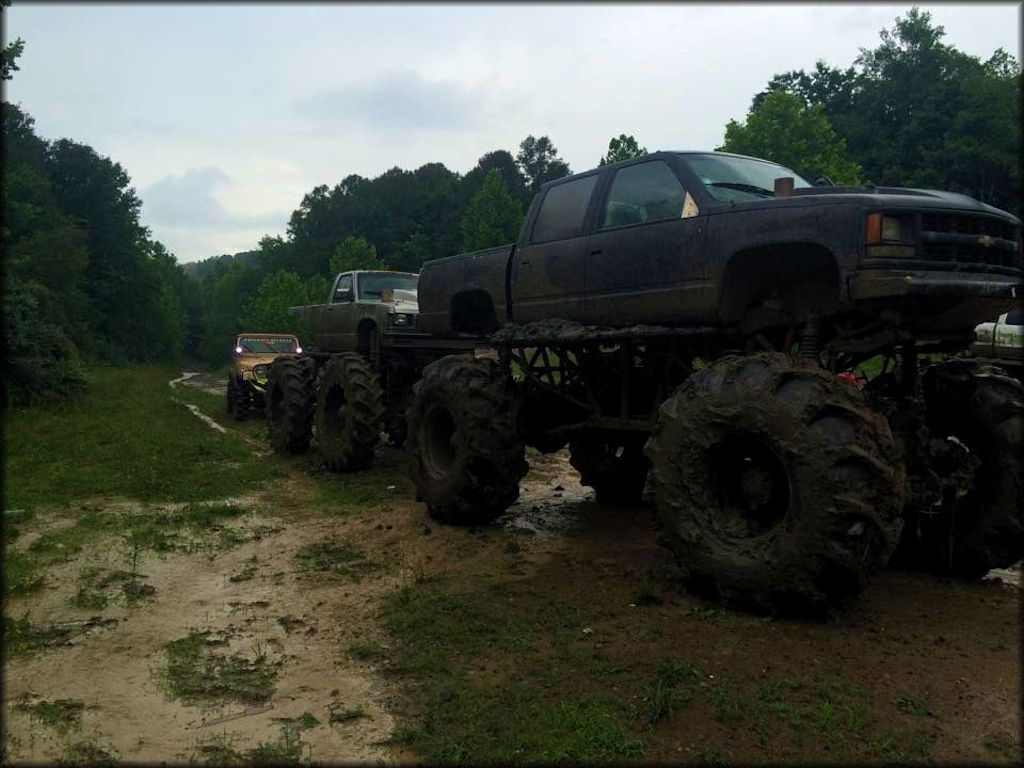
(87,283)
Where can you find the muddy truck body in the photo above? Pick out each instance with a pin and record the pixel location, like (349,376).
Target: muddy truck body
(354,381)
(711,320)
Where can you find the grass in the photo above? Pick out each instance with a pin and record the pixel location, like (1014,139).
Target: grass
(332,559)
(63,715)
(513,713)
(60,453)
(88,751)
(366,651)
(196,673)
(23,637)
(675,686)
(219,749)
(98,588)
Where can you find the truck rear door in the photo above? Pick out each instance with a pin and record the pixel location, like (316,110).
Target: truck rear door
(548,270)
(642,259)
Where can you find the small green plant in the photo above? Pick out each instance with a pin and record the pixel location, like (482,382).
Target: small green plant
(674,686)
(726,703)
(307,721)
(339,713)
(88,751)
(646,595)
(365,651)
(911,706)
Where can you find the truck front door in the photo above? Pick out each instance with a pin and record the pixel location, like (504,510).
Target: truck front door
(642,260)
(548,271)
(337,332)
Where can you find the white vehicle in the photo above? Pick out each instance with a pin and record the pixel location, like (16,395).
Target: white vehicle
(1002,342)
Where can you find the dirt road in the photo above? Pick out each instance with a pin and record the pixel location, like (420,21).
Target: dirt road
(274,596)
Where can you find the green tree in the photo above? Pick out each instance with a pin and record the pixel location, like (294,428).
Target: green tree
(917,112)
(267,311)
(493,216)
(538,160)
(622,148)
(782,128)
(354,253)
(9,55)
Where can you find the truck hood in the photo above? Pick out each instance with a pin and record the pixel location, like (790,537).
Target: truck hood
(405,301)
(881,198)
(904,197)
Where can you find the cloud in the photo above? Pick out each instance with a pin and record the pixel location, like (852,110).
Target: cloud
(394,101)
(184,214)
(190,200)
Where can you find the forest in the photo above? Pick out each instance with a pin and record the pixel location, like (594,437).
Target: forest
(86,284)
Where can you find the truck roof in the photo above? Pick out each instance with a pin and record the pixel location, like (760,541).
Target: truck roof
(656,155)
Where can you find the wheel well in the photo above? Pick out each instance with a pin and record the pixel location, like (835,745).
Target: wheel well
(789,278)
(473,312)
(363,332)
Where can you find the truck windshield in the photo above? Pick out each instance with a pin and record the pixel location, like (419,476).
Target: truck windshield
(738,179)
(380,286)
(267,345)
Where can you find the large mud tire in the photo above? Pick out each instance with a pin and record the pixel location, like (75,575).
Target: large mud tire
(777,488)
(982,407)
(466,459)
(613,464)
(349,413)
(290,401)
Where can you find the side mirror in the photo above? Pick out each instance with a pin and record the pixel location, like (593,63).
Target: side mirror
(342,295)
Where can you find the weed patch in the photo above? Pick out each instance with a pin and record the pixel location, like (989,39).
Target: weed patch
(63,715)
(332,560)
(194,672)
(674,687)
(22,637)
(99,588)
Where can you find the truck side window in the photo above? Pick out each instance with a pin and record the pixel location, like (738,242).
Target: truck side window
(643,193)
(563,210)
(343,291)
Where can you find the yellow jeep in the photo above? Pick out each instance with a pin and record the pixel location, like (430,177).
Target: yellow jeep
(251,357)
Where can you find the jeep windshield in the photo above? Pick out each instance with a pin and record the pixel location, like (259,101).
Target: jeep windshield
(267,345)
(739,179)
(381,286)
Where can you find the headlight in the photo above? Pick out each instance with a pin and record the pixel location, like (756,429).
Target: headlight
(260,371)
(885,228)
(401,321)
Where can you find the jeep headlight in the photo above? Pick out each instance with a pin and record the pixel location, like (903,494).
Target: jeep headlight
(401,321)
(260,371)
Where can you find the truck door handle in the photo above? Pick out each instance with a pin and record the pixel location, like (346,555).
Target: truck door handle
(524,263)
(596,252)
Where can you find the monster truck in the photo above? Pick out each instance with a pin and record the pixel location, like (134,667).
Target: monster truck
(355,379)
(250,360)
(709,317)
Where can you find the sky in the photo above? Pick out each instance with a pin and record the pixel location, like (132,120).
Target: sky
(226,115)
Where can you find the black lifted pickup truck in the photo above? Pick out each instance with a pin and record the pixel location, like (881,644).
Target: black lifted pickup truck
(779,353)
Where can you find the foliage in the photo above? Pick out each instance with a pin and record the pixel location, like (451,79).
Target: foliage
(915,111)
(267,311)
(493,216)
(783,128)
(622,148)
(538,159)
(354,253)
